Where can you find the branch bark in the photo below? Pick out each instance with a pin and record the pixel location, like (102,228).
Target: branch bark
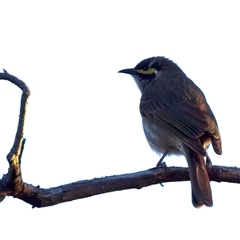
(12,183)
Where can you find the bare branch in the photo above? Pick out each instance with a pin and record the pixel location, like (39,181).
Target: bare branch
(39,197)
(12,183)
(13,180)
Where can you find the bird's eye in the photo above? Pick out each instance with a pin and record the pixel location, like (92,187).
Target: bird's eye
(145,68)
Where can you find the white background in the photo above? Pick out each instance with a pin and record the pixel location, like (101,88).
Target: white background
(83,119)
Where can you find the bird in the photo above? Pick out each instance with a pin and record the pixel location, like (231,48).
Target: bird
(177,120)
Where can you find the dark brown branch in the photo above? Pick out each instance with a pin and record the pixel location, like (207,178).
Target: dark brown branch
(12,183)
(39,197)
(16,148)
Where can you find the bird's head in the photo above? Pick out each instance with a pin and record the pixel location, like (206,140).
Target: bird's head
(146,71)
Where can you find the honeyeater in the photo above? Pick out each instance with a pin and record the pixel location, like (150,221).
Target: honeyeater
(177,120)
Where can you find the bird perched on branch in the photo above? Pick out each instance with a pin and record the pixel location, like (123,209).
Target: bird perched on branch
(177,120)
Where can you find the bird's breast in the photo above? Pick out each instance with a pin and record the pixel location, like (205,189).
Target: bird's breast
(160,139)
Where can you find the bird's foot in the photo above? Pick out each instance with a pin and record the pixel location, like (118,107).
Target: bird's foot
(160,163)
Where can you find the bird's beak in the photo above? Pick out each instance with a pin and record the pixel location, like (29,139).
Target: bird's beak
(130,71)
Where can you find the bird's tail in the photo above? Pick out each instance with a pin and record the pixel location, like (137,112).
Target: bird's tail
(201,189)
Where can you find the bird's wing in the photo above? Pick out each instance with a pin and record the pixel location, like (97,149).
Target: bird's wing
(187,120)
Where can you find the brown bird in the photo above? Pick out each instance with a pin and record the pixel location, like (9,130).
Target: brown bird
(177,120)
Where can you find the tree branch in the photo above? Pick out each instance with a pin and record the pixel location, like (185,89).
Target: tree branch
(39,197)
(12,183)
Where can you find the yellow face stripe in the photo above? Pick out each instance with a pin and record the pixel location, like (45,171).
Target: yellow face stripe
(148,71)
